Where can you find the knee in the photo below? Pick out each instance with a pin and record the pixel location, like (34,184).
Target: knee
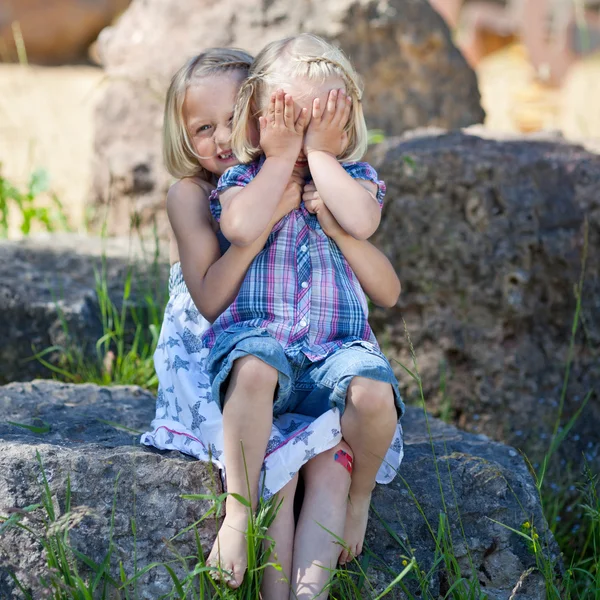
(254,375)
(333,466)
(371,399)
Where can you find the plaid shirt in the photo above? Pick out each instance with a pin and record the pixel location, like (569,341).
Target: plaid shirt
(300,288)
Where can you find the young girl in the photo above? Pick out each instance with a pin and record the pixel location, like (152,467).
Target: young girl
(298,329)
(197,128)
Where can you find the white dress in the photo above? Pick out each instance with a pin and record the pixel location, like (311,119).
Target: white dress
(189,420)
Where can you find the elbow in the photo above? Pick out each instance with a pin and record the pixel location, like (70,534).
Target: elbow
(234,231)
(390,298)
(363,229)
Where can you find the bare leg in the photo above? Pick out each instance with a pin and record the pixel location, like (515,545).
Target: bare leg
(368,425)
(316,551)
(276,584)
(247,419)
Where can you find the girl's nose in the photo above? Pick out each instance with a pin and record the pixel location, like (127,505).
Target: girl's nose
(222,135)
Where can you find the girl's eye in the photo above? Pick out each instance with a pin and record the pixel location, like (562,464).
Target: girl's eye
(203,128)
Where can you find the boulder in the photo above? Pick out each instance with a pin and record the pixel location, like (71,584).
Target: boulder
(482,481)
(414,76)
(48,294)
(55,31)
(487,237)
(112,478)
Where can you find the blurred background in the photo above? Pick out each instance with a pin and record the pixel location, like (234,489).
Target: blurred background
(536,61)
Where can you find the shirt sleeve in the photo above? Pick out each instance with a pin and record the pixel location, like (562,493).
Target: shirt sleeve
(238,176)
(363,170)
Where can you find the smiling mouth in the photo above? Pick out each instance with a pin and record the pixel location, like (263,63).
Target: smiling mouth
(225,155)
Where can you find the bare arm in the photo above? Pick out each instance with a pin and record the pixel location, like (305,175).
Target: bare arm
(371,267)
(214,280)
(351,201)
(247,211)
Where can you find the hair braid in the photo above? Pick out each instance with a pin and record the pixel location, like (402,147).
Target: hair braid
(352,87)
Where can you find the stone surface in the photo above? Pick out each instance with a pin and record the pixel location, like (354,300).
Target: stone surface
(487,237)
(48,294)
(489,481)
(105,466)
(414,76)
(55,31)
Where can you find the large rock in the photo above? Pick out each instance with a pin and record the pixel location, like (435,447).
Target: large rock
(480,480)
(108,470)
(487,237)
(414,76)
(48,295)
(55,31)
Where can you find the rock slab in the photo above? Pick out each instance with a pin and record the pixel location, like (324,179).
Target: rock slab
(480,480)
(487,237)
(48,295)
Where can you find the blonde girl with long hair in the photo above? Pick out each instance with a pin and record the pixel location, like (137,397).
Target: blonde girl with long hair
(206,274)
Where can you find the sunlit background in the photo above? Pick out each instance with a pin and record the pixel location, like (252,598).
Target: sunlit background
(536,62)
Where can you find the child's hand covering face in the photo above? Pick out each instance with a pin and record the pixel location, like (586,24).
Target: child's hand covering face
(325,131)
(281,132)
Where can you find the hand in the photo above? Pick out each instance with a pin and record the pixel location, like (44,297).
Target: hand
(290,200)
(325,131)
(315,205)
(281,132)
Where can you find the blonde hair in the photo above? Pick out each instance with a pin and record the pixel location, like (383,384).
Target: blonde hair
(179,155)
(308,56)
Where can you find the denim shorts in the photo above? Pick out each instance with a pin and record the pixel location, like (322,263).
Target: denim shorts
(304,387)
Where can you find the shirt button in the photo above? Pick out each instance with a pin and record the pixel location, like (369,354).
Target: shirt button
(303,248)
(304,284)
(303,323)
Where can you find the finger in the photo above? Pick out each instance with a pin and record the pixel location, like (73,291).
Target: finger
(262,122)
(331,104)
(279,100)
(310,187)
(296,178)
(301,121)
(346,111)
(310,207)
(288,111)
(340,106)
(316,111)
(271,109)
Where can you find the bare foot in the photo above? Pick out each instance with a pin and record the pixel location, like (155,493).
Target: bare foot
(357,515)
(229,552)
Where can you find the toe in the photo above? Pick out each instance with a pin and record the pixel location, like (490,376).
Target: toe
(343,557)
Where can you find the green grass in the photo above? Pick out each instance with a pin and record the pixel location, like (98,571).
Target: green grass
(130,329)
(25,205)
